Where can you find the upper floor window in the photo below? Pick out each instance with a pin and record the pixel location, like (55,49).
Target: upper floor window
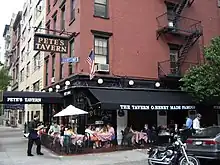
(28,69)
(39,27)
(101,8)
(46,72)
(63,18)
(48,6)
(36,86)
(48,27)
(22,54)
(37,61)
(54,24)
(28,46)
(72,10)
(22,75)
(53,65)
(101,50)
(71,55)
(29,24)
(38,9)
(61,66)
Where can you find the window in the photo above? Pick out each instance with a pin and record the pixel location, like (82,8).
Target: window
(28,69)
(39,27)
(54,24)
(46,72)
(22,54)
(101,50)
(54,2)
(37,61)
(174,67)
(28,46)
(53,65)
(16,71)
(38,8)
(100,7)
(36,86)
(63,18)
(18,50)
(48,6)
(71,67)
(72,10)
(22,75)
(61,66)
(48,28)
(29,24)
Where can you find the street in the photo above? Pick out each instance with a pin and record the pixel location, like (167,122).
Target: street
(13,152)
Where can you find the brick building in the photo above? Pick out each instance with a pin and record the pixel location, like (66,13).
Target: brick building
(137,45)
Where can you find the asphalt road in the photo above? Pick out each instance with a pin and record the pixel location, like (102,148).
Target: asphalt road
(13,152)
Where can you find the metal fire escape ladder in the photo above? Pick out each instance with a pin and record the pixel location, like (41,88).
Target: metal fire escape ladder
(190,41)
(179,7)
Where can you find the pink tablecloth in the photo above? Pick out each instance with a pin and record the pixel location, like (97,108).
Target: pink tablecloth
(74,138)
(104,136)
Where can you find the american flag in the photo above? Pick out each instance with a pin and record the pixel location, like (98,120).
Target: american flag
(91,61)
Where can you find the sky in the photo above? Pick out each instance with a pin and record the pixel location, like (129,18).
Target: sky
(7,7)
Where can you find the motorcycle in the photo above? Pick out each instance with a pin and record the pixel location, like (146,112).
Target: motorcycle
(172,154)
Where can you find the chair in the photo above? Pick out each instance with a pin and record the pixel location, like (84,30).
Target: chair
(67,142)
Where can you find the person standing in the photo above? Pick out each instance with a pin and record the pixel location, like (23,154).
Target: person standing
(33,136)
(196,123)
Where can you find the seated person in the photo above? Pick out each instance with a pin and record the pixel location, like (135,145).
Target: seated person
(104,130)
(92,136)
(111,130)
(69,131)
(54,129)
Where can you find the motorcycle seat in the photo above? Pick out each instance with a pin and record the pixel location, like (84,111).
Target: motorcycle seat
(162,149)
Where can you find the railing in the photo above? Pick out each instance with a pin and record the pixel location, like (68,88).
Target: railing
(178,24)
(172,69)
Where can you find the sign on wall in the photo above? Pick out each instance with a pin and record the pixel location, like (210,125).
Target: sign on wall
(157,107)
(23,100)
(50,43)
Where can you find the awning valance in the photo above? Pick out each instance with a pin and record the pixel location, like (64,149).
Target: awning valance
(112,99)
(18,97)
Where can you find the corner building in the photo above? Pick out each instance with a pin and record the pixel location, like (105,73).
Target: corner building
(141,51)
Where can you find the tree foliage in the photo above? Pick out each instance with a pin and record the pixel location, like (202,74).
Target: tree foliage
(5,79)
(203,81)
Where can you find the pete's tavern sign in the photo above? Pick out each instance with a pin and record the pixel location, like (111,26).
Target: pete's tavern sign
(50,43)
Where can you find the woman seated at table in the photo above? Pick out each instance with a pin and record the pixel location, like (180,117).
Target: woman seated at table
(54,129)
(92,136)
(69,131)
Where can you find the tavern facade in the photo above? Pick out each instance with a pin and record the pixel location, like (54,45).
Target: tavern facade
(139,53)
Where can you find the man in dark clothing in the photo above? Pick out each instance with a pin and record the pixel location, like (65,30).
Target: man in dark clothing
(33,136)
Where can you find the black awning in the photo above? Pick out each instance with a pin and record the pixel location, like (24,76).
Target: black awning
(112,99)
(18,97)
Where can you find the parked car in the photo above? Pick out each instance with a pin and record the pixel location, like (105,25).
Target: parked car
(205,144)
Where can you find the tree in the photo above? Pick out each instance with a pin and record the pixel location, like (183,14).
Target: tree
(5,79)
(203,81)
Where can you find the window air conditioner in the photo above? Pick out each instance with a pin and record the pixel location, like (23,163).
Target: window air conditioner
(102,67)
(52,80)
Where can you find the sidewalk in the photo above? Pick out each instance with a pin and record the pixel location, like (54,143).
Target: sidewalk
(13,152)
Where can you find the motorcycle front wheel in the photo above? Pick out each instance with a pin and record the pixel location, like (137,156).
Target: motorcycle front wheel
(151,155)
(192,161)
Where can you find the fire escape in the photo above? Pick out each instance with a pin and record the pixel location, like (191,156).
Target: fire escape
(189,30)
